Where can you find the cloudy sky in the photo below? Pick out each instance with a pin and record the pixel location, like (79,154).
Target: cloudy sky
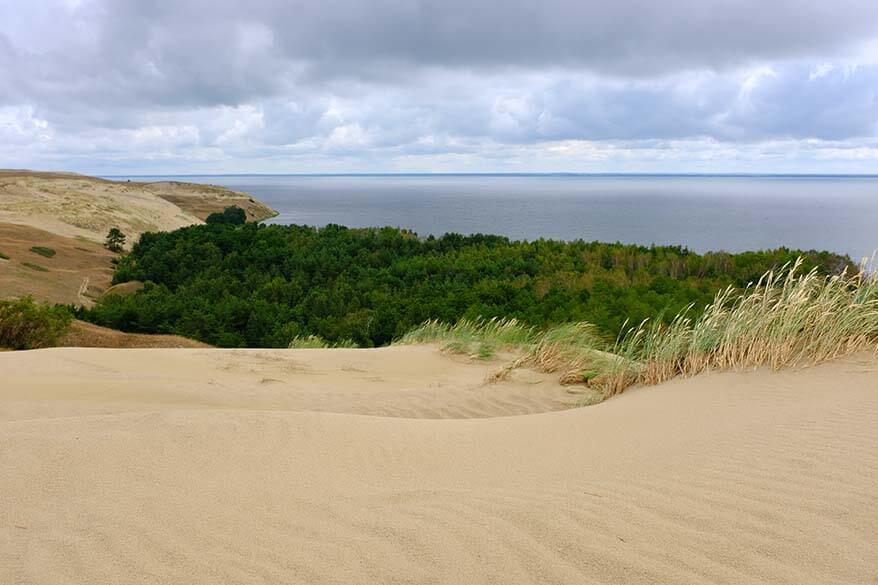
(201,86)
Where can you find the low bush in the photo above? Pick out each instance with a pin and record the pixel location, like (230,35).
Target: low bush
(25,324)
(37,267)
(233,215)
(43,251)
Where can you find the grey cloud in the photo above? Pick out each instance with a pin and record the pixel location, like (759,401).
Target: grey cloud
(221,80)
(212,52)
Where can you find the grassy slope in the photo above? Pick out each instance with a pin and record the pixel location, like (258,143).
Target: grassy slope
(77,273)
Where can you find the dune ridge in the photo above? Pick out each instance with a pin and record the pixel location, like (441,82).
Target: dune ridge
(310,466)
(71,214)
(71,205)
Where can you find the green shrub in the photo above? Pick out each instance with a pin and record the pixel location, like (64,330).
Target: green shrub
(3,256)
(37,267)
(25,324)
(43,251)
(230,216)
(115,241)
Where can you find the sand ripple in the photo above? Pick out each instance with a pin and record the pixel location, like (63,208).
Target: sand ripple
(731,478)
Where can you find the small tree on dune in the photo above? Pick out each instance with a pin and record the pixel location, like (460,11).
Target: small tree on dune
(115,240)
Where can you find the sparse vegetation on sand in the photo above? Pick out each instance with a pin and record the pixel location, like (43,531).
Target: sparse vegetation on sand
(3,256)
(788,318)
(317,342)
(43,251)
(34,266)
(478,338)
(25,324)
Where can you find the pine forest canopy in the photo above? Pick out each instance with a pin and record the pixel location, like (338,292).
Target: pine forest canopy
(261,285)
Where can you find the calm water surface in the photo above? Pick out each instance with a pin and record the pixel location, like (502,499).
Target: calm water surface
(701,212)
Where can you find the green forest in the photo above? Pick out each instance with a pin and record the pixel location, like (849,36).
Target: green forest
(262,285)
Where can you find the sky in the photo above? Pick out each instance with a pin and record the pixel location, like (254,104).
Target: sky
(275,86)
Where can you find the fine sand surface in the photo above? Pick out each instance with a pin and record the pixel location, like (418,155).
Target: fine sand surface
(400,465)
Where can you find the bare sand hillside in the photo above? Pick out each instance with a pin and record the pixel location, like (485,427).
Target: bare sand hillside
(399,465)
(74,205)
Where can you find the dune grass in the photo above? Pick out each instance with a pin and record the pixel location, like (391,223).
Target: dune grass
(317,342)
(477,338)
(788,318)
(43,251)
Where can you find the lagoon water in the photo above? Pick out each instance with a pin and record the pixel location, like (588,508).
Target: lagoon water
(732,213)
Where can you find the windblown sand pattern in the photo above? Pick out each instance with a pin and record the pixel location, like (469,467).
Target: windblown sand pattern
(400,465)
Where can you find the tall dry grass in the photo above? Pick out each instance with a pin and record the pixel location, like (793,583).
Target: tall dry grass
(787,319)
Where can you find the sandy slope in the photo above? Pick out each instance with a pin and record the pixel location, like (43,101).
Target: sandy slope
(213,466)
(73,205)
(72,214)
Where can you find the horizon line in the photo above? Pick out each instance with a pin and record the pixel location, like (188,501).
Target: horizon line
(497,174)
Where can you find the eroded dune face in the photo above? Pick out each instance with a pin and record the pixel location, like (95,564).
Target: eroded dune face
(357,466)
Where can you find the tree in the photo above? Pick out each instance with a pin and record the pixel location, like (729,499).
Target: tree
(233,215)
(115,240)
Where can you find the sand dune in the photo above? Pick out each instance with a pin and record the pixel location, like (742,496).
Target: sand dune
(78,206)
(398,466)
(71,214)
